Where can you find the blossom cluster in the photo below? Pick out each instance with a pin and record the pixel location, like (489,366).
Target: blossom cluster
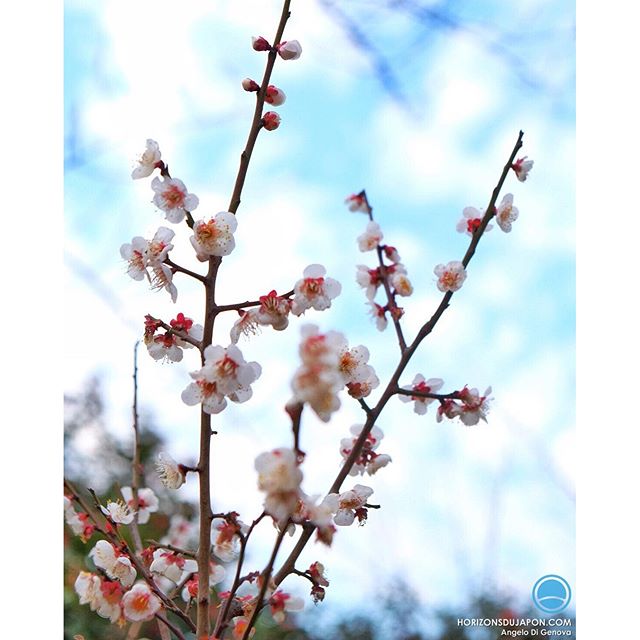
(169,345)
(225,374)
(146,258)
(368,460)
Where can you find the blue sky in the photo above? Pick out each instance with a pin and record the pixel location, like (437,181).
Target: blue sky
(149,71)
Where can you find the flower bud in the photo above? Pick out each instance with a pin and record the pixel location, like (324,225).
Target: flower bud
(260,44)
(270,120)
(289,50)
(274,96)
(250,85)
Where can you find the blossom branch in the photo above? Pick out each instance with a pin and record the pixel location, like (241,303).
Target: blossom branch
(256,124)
(183,335)
(211,311)
(392,386)
(115,538)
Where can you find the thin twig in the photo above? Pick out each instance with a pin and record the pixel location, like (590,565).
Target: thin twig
(177,267)
(249,303)
(171,626)
(136,466)
(266,577)
(222,622)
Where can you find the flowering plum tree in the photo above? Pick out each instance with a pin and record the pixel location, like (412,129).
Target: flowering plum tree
(171,580)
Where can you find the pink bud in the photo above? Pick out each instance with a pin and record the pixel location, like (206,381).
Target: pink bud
(289,50)
(250,85)
(270,120)
(260,44)
(274,96)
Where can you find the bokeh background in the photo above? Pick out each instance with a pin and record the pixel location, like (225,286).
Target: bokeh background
(420,103)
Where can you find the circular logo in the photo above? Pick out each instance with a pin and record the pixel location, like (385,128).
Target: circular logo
(551,594)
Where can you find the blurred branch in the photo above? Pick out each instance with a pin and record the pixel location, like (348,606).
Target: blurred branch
(383,70)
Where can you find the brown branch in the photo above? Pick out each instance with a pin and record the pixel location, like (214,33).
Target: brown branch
(177,267)
(392,386)
(454,395)
(171,626)
(249,303)
(171,547)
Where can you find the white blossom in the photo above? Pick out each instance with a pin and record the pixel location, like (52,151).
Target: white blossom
(140,603)
(450,276)
(172,197)
(147,502)
(147,161)
(314,290)
(214,237)
(371,238)
(170,472)
(506,213)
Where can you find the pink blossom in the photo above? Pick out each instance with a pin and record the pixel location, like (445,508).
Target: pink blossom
(274,96)
(357,202)
(470,221)
(380,315)
(280,602)
(250,85)
(391,253)
(270,120)
(289,50)
(274,310)
(260,44)
(522,166)
(474,406)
